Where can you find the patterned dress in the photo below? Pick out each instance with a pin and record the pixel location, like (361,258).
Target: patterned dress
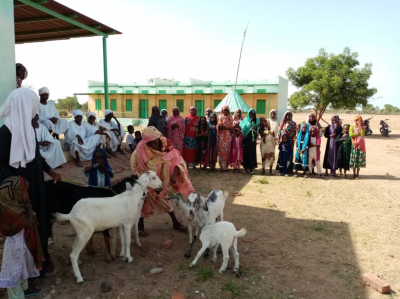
(178,134)
(224,139)
(190,142)
(358,151)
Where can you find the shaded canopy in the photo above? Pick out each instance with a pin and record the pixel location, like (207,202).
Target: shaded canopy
(234,101)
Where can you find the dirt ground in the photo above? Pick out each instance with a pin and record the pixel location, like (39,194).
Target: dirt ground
(307,238)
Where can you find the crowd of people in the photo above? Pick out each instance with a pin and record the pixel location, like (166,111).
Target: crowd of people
(231,140)
(169,145)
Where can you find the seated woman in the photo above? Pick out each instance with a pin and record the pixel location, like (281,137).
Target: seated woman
(50,148)
(151,154)
(82,138)
(113,129)
(48,114)
(91,120)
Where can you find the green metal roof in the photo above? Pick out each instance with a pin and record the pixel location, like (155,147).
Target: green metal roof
(234,101)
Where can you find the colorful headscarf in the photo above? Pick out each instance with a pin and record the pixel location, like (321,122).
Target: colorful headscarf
(223,116)
(249,126)
(14,217)
(166,117)
(238,114)
(190,116)
(359,119)
(283,121)
(304,156)
(93,173)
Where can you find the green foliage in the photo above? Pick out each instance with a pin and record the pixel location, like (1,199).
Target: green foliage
(68,104)
(389,109)
(331,80)
(236,290)
(85,107)
(63,112)
(205,273)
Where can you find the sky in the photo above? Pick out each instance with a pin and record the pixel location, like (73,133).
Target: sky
(184,39)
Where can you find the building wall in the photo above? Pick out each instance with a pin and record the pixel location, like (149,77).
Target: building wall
(189,100)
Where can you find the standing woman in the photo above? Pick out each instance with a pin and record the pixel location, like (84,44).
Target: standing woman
(20,155)
(212,149)
(176,129)
(358,150)
(250,127)
(190,143)
(237,117)
(225,125)
(208,114)
(202,143)
(330,157)
(288,128)
(273,123)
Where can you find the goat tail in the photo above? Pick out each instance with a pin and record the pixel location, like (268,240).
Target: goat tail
(241,233)
(58,217)
(226,194)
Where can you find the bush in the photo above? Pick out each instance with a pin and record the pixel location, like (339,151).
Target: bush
(63,112)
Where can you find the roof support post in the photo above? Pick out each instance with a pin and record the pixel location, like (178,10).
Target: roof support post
(121,104)
(269,101)
(105,71)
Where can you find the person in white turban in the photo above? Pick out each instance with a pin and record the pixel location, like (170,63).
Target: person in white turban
(49,116)
(114,129)
(81,138)
(105,138)
(50,148)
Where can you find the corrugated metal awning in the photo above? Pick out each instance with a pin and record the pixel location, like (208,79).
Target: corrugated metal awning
(47,20)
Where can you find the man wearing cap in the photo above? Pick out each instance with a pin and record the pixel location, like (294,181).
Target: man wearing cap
(48,115)
(114,129)
(82,138)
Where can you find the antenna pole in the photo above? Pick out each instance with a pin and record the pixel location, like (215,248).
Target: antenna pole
(240,56)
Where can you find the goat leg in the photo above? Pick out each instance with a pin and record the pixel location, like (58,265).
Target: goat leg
(106,235)
(206,253)
(89,246)
(189,252)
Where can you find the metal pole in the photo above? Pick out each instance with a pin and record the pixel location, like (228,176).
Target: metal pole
(121,105)
(269,100)
(105,71)
(240,56)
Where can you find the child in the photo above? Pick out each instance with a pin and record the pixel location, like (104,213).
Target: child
(99,172)
(23,255)
(285,153)
(212,149)
(130,141)
(358,149)
(267,145)
(301,161)
(202,142)
(343,141)
(236,154)
(314,151)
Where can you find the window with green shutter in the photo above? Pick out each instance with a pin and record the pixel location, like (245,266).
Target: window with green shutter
(179,104)
(128,91)
(216,103)
(180,91)
(198,91)
(113,91)
(261,91)
(98,91)
(162,104)
(240,91)
(128,105)
(113,105)
(261,105)
(143,109)
(162,91)
(199,107)
(98,104)
(145,91)
(218,91)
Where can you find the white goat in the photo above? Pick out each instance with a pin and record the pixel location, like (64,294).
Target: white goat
(205,211)
(221,233)
(98,214)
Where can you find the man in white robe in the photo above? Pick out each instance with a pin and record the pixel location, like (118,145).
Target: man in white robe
(50,148)
(49,116)
(82,138)
(114,129)
(105,138)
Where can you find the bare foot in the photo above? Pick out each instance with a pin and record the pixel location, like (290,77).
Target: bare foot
(78,163)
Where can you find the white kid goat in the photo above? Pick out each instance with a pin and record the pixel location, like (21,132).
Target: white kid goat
(221,233)
(98,214)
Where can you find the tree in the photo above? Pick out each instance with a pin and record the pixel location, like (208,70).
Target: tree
(389,109)
(85,107)
(330,80)
(68,103)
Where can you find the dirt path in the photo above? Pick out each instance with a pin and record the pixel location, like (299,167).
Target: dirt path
(308,238)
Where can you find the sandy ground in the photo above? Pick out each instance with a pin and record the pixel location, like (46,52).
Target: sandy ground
(307,238)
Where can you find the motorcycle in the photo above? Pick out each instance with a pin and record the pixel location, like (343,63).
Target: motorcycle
(384,128)
(368,130)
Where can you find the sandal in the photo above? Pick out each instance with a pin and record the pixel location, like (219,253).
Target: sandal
(31,292)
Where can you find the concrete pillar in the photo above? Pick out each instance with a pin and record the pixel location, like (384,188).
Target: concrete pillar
(7,50)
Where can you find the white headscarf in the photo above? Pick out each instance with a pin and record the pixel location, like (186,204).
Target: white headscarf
(107,112)
(166,117)
(19,109)
(77,112)
(44,90)
(89,114)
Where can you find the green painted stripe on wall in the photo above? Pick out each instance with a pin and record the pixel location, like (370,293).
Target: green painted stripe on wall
(198,91)
(128,91)
(98,91)
(180,91)
(113,91)
(162,91)
(145,91)
(261,91)
(218,91)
